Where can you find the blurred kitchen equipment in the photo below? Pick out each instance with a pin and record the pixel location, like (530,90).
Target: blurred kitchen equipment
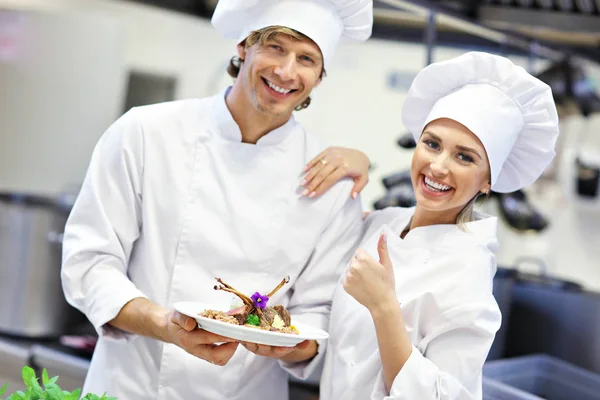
(401,195)
(542,279)
(518,212)
(71,369)
(543,377)
(406,141)
(556,317)
(13,356)
(32,303)
(503,286)
(396,179)
(588,179)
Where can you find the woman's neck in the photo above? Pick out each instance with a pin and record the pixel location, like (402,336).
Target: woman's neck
(423,217)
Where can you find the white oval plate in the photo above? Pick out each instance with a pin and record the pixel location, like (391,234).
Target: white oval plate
(245,334)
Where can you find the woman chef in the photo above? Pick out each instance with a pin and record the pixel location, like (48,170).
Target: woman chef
(414,316)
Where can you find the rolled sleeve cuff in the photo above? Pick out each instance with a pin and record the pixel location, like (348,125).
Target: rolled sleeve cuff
(311,369)
(106,301)
(416,380)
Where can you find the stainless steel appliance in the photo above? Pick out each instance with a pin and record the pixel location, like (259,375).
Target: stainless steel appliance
(32,303)
(13,356)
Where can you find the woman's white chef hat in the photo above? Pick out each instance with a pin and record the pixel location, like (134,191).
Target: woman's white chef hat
(511,112)
(326,22)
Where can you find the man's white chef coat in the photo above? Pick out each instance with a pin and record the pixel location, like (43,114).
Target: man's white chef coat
(173,199)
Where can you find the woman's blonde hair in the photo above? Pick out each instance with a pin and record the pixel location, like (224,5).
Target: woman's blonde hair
(261,36)
(466,215)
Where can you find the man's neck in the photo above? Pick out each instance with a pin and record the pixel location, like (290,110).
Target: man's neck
(253,123)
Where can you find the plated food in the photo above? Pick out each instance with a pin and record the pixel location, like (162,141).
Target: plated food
(255,311)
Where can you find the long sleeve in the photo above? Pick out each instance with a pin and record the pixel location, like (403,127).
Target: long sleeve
(450,366)
(103,226)
(313,290)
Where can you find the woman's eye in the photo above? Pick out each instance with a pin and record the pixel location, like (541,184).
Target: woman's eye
(433,144)
(276,47)
(465,158)
(306,58)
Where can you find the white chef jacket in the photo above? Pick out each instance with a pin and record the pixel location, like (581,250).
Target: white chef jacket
(173,199)
(444,279)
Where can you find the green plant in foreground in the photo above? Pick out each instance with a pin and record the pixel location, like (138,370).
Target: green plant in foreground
(50,391)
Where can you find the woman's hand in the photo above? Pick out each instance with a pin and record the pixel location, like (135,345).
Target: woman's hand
(333,164)
(301,352)
(372,283)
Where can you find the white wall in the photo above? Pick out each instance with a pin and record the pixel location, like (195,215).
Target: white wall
(59,88)
(69,85)
(355,107)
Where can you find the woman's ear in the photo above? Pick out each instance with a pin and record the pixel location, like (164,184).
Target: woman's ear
(486,188)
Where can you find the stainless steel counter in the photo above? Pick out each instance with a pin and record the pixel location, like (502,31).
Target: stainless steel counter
(13,356)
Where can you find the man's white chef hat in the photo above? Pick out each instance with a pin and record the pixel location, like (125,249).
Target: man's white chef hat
(326,22)
(511,112)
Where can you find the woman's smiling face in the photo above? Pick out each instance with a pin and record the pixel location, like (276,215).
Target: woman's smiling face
(449,167)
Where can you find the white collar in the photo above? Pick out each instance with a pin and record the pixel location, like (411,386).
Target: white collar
(230,130)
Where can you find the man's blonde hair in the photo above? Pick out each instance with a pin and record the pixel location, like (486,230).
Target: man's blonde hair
(262,36)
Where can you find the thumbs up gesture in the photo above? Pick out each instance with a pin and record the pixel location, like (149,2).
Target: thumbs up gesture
(369,281)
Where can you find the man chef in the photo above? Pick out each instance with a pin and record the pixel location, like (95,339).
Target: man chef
(179,193)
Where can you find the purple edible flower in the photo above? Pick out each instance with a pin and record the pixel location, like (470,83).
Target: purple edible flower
(259,300)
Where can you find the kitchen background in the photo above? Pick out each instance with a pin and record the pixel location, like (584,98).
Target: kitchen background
(69,68)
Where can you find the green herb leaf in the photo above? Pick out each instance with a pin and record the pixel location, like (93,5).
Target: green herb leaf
(74,395)
(3,389)
(53,392)
(45,379)
(28,374)
(36,390)
(253,319)
(18,396)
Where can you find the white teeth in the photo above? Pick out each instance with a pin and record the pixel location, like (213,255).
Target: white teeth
(277,88)
(436,185)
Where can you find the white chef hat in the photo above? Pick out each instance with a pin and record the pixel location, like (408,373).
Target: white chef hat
(511,112)
(326,22)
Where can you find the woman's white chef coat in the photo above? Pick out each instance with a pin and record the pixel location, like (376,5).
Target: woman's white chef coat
(173,199)
(444,279)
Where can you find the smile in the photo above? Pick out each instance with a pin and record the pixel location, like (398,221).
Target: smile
(278,89)
(435,187)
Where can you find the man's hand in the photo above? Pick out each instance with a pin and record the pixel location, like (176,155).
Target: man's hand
(182,331)
(301,352)
(142,317)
